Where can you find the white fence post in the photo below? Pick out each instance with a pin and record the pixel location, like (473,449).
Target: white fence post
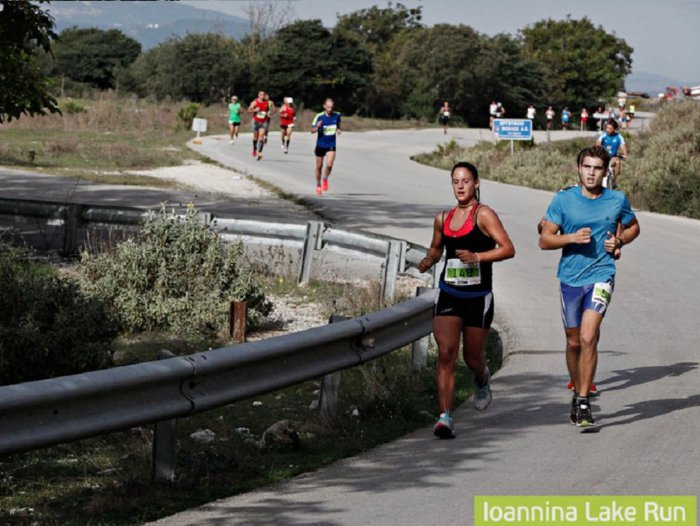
(164,443)
(391,271)
(311,243)
(419,348)
(330,386)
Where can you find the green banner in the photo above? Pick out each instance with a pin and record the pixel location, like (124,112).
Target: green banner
(562,510)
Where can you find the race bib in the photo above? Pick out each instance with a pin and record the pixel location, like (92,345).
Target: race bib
(330,129)
(261,114)
(458,273)
(602,294)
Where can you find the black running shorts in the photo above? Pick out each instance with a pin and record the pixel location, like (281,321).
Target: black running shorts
(321,152)
(475,312)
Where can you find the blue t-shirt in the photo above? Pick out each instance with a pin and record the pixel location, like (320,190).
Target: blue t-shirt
(330,124)
(611,143)
(565,116)
(571,210)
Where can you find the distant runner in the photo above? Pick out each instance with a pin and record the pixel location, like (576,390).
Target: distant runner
(581,220)
(615,145)
(444,115)
(473,237)
(549,116)
(584,119)
(565,118)
(287,119)
(234,118)
(260,108)
(327,125)
(531,112)
(269,115)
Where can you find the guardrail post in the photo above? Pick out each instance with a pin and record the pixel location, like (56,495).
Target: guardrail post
(237,318)
(71,222)
(330,386)
(164,443)
(419,348)
(391,271)
(311,243)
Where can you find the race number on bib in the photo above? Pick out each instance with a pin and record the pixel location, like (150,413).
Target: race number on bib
(261,114)
(602,294)
(458,273)
(330,129)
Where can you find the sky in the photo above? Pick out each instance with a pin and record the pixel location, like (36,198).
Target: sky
(665,34)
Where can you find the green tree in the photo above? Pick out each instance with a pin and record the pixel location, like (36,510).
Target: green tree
(25,31)
(430,65)
(307,61)
(203,68)
(94,56)
(583,63)
(376,26)
(374,29)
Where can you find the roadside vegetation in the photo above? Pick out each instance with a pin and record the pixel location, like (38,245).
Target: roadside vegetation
(107,480)
(662,174)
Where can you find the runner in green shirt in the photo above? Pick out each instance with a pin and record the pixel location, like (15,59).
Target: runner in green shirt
(234,118)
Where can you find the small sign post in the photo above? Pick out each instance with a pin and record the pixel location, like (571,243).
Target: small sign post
(200,126)
(513,130)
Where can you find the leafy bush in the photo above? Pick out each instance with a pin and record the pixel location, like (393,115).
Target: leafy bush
(48,326)
(71,107)
(176,276)
(186,114)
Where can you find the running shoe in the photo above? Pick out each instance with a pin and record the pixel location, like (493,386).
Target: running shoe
(319,191)
(572,416)
(325,185)
(482,396)
(230,141)
(282,146)
(592,392)
(584,417)
(259,156)
(444,427)
(286,150)
(255,152)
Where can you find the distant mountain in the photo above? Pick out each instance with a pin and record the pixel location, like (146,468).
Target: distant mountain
(149,22)
(651,83)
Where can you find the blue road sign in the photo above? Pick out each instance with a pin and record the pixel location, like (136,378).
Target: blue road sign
(513,129)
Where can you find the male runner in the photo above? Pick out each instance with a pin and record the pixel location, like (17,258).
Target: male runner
(260,108)
(549,116)
(287,118)
(615,145)
(327,125)
(444,115)
(565,118)
(270,111)
(234,118)
(586,215)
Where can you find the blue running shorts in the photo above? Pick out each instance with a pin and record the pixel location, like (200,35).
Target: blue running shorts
(575,300)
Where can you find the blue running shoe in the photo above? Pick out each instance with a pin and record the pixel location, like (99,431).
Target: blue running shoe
(445,427)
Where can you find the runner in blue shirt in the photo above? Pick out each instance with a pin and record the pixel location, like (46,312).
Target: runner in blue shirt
(581,221)
(614,143)
(327,125)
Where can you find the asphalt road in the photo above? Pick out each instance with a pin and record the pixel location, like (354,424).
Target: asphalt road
(648,411)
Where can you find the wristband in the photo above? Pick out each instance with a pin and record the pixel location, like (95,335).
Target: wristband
(619,240)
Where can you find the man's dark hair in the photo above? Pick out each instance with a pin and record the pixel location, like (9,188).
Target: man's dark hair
(597,152)
(614,124)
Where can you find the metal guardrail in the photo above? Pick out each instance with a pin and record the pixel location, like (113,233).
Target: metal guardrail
(48,412)
(398,255)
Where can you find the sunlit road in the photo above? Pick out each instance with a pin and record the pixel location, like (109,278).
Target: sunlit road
(648,411)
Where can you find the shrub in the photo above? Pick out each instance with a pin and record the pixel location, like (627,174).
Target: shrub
(48,326)
(186,114)
(71,107)
(176,276)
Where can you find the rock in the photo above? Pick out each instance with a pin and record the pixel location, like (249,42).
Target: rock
(314,404)
(281,435)
(257,403)
(203,436)
(243,431)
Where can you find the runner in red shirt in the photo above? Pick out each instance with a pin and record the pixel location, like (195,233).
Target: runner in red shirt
(287,118)
(260,109)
